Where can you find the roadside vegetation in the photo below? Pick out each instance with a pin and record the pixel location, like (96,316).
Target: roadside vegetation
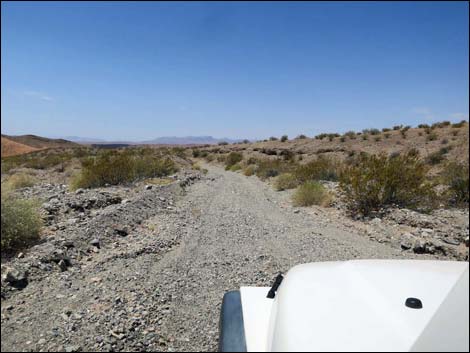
(20,224)
(119,167)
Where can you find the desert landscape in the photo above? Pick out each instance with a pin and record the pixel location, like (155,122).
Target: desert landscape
(133,248)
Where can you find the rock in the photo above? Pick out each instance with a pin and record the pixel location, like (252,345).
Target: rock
(148,187)
(42,341)
(96,243)
(466,241)
(419,246)
(451,241)
(122,231)
(407,241)
(376,221)
(63,265)
(296,211)
(16,278)
(72,348)
(79,191)
(20,255)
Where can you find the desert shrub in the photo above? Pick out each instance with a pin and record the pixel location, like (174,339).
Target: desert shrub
(374,131)
(249,170)
(233,158)
(435,158)
(268,168)
(222,143)
(301,137)
(459,124)
(456,176)
(21,222)
(397,127)
(420,133)
(351,134)
(377,139)
(387,135)
(311,193)
(286,181)
(284,138)
(287,155)
(455,132)
(423,126)
(196,166)
(375,181)
(342,139)
(246,141)
(428,131)
(365,137)
(235,167)
(432,137)
(440,124)
(323,168)
(444,141)
(406,128)
(386,129)
(403,134)
(117,168)
(273,138)
(321,136)
(18,181)
(209,157)
(196,153)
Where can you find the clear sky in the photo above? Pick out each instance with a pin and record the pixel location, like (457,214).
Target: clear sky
(242,70)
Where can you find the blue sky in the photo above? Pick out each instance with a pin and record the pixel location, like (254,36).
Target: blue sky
(140,70)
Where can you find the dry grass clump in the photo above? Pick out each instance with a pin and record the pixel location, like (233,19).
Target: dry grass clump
(323,168)
(19,181)
(311,193)
(232,159)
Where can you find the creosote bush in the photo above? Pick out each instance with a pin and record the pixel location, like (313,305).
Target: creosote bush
(18,181)
(286,181)
(456,176)
(232,159)
(284,138)
(111,167)
(376,181)
(323,168)
(21,222)
(311,193)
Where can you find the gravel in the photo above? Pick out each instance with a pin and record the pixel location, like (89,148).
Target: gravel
(150,273)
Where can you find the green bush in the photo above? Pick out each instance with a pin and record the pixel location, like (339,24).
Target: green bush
(115,168)
(267,168)
(375,181)
(387,135)
(435,157)
(456,177)
(21,222)
(235,167)
(233,158)
(284,138)
(459,124)
(432,137)
(301,137)
(286,181)
(386,129)
(323,168)
(18,181)
(397,127)
(350,134)
(311,193)
(273,138)
(223,143)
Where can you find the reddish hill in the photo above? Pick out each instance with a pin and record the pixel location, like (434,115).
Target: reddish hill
(12,148)
(14,145)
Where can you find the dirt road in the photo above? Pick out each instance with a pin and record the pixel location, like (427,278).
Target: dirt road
(160,288)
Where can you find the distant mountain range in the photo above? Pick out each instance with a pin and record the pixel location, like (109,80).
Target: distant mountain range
(166,140)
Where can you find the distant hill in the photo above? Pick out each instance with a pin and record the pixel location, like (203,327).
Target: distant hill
(165,140)
(14,145)
(188,140)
